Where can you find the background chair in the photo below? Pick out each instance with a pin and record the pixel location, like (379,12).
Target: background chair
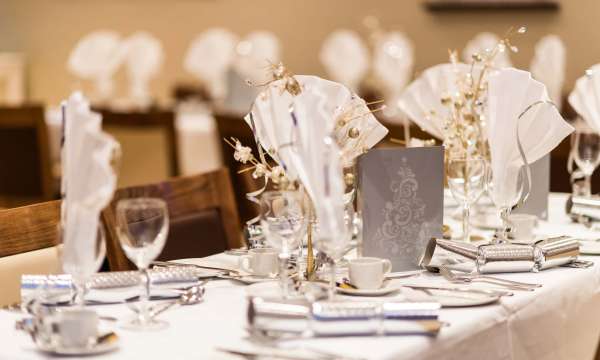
(233,125)
(24,157)
(202,212)
(148,144)
(29,236)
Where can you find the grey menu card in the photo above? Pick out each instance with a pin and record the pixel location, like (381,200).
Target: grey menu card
(537,203)
(401,194)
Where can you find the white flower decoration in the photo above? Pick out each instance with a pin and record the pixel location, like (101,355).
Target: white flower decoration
(242,154)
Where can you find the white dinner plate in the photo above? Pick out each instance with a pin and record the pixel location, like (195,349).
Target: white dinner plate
(461,299)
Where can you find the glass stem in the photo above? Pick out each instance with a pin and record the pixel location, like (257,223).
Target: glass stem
(465,222)
(283,276)
(332,279)
(80,290)
(145,296)
(588,185)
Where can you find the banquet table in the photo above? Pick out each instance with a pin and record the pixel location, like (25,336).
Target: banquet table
(560,320)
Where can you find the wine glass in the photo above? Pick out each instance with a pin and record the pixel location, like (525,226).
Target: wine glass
(507,194)
(466,179)
(142,228)
(80,260)
(283,222)
(587,155)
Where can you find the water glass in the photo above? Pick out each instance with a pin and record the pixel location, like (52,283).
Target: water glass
(142,227)
(283,222)
(467,181)
(587,155)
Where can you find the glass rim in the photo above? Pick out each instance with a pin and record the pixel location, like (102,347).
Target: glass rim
(141,202)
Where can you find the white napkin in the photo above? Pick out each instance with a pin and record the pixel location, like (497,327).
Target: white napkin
(97,56)
(255,53)
(393,64)
(345,57)
(585,97)
(88,182)
(549,65)
(209,57)
(541,129)
(483,43)
(271,113)
(421,100)
(144,57)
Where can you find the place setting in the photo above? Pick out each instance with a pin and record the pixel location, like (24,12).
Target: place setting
(382,214)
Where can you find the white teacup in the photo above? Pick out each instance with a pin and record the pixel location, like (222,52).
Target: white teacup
(368,272)
(77,328)
(260,262)
(523,226)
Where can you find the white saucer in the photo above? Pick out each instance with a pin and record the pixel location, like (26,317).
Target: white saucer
(385,290)
(93,350)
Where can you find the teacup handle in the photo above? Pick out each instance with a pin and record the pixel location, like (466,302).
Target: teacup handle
(387,266)
(244,263)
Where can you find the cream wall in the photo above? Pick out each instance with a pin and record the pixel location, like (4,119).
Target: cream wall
(47,29)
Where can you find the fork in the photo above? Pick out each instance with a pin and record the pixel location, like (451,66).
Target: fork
(512,285)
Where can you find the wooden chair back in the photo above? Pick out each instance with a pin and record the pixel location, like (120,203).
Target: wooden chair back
(29,236)
(24,156)
(233,125)
(148,144)
(202,214)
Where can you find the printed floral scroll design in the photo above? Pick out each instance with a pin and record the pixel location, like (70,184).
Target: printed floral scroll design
(403,218)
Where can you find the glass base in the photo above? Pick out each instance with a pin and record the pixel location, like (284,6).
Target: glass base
(147,325)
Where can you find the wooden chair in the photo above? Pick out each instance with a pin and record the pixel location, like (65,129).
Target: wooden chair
(202,214)
(24,157)
(28,239)
(232,125)
(148,143)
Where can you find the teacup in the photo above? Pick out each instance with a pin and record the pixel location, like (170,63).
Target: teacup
(260,262)
(523,226)
(77,328)
(368,272)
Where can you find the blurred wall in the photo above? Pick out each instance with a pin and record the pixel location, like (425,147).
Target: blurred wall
(47,29)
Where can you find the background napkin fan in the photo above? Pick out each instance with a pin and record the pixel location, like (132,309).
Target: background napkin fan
(209,57)
(549,65)
(421,100)
(585,97)
(144,56)
(97,56)
(254,53)
(345,57)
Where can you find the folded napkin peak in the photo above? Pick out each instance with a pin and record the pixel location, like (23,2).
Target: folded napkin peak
(585,97)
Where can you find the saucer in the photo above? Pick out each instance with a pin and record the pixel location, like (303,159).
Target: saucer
(588,247)
(456,299)
(386,289)
(96,349)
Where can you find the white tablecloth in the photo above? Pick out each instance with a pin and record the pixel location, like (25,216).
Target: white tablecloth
(561,320)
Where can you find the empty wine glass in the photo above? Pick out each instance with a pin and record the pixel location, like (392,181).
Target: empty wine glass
(142,227)
(467,180)
(283,222)
(507,194)
(81,262)
(587,155)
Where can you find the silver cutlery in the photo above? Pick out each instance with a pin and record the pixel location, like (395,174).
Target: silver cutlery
(190,296)
(469,278)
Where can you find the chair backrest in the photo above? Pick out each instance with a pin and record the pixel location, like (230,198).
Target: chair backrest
(148,144)
(232,125)
(24,154)
(202,214)
(28,239)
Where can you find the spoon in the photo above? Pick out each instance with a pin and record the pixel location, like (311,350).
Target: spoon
(190,296)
